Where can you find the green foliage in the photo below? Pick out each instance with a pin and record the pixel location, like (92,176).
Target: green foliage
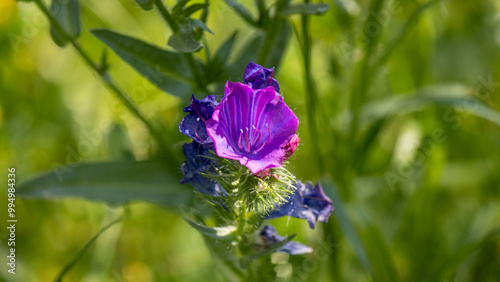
(370,81)
(167,70)
(67,13)
(111,182)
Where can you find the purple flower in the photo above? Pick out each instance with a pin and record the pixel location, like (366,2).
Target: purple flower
(253,126)
(193,124)
(260,77)
(269,236)
(197,162)
(306,202)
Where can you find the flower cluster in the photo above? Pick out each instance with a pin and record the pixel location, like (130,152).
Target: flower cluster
(237,155)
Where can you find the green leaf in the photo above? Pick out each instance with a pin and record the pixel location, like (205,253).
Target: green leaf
(269,250)
(111,182)
(452,262)
(225,261)
(82,251)
(67,14)
(347,226)
(279,46)
(453,95)
(193,9)
(145,4)
(167,70)
(179,6)
(249,53)
(219,233)
(308,9)
(183,40)
(214,70)
(242,11)
(201,25)
(119,144)
(379,254)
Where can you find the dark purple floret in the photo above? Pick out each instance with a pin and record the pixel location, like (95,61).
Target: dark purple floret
(196,163)
(253,126)
(269,236)
(193,124)
(260,77)
(307,202)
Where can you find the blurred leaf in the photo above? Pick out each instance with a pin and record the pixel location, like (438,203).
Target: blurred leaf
(183,40)
(279,46)
(119,144)
(67,14)
(179,6)
(348,6)
(379,254)
(347,226)
(219,233)
(451,264)
(269,250)
(82,251)
(309,9)
(193,9)
(452,95)
(242,11)
(225,261)
(249,53)
(111,182)
(145,4)
(221,57)
(201,25)
(167,70)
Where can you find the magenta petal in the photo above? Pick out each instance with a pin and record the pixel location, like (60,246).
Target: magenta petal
(252,126)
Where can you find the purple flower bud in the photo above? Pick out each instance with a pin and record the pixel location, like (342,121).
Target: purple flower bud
(260,77)
(269,236)
(307,202)
(193,124)
(253,126)
(196,163)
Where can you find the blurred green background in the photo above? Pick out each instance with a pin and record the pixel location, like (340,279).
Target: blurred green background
(420,189)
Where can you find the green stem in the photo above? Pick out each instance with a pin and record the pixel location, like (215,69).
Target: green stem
(272,30)
(200,81)
(359,89)
(106,78)
(166,15)
(311,90)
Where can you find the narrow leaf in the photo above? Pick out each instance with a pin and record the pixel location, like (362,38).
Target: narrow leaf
(82,251)
(167,70)
(309,9)
(193,9)
(346,224)
(453,95)
(145,4)
(219,233)
(242,11)
(67,14)
(225,261)
(111,182)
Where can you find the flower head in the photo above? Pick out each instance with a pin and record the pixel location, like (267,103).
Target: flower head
(197,162)
(193,124)
(307,202)
(253,126)
(269,236)
(260,77)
